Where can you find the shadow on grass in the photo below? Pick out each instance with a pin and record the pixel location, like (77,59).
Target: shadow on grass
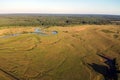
(110,71)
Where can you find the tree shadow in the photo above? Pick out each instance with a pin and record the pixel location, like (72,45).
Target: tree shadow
(110,72)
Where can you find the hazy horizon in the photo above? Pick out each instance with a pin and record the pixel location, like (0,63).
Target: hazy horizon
(110,7)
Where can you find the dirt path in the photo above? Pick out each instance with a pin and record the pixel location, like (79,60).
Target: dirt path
(8,75)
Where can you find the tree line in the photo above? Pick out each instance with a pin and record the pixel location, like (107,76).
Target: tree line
(37,20)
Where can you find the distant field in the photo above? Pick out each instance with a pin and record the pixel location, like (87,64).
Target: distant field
(63,56)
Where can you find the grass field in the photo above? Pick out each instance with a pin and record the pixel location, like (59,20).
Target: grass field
(64,56)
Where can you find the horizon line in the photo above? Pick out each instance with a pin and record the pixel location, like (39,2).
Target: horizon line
(60,13)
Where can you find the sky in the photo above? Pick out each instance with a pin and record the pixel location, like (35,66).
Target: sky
(61,6)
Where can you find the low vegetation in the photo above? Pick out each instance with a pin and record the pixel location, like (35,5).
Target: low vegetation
(59,47)
(107,31)
(48,20)
(69,55)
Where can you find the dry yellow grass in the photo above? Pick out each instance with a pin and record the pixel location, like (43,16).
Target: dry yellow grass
(16,30)
(64,56)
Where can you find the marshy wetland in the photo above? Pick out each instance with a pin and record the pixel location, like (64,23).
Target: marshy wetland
(69,52)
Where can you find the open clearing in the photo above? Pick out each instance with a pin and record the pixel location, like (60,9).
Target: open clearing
(64,56)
